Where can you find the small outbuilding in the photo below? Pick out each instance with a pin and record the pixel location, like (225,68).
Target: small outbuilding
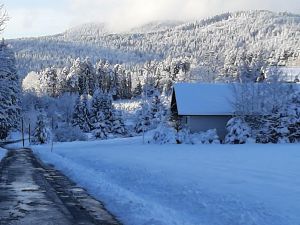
(201,107)
(290,74)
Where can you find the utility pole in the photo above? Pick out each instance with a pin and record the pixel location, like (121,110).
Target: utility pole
(145,100)
(52,124)
(22,124)
(29,133)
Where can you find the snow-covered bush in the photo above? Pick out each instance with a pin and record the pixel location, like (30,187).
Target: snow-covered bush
(163,134)
(238,131)
(183,136)
(207,137)
(68,133)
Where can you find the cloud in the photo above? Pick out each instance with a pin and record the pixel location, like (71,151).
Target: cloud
(123,14)
(43,17)
(35,22)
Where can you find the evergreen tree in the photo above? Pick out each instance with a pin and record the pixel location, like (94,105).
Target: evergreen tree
(81,114)
(42,134)
(49,81)
(9,91)
(143,119)
(238,131)
(157,109)
(118,126)
(73,76)
(293,113)
(62,86)
(138,89)
(268,132)
(100,124)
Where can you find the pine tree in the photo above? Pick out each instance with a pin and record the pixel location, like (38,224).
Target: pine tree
(9,92)
(118,126)
(81,114)
(268,132)
(157,109)
(138,89)
(143,119)
(238,131)
(73,77)
(42,134)
(293,113)
(49,82)
(100,124)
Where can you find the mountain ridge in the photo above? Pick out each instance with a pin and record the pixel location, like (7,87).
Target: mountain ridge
(274,35)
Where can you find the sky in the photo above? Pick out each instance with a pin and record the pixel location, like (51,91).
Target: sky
(45,17)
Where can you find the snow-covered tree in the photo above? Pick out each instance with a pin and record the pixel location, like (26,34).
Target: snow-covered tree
(238,131)
(293,112)
(143,118)
(9,91)
(117,123)
(137,91)
(3,18)
(31,83)
(49,82)
(99,109)
(157,109)
(42,133)
(81,114)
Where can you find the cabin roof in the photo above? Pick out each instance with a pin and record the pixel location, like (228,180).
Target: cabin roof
(203,99)
(290,74)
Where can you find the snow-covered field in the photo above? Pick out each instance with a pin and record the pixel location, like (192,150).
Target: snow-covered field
(186,184)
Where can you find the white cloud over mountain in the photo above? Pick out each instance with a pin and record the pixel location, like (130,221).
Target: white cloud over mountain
(123,14)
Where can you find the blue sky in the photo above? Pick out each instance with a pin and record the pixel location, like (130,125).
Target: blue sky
(44,17)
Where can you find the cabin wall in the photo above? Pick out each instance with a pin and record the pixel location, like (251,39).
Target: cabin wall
(204,123)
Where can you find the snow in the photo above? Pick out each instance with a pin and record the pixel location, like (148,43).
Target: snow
(204,99)
(290,73)
(186,184)
(2,153)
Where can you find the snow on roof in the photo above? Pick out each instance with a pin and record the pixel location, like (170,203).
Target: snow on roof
(290,74)
(204,99)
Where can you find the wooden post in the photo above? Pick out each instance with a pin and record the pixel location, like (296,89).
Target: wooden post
(29,133)
(23,140)
(52,124)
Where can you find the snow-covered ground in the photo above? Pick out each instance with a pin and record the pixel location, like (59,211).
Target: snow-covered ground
(2,153)
(186,184)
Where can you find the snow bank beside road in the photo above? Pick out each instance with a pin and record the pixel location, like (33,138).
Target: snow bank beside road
(2,153)
(185,184)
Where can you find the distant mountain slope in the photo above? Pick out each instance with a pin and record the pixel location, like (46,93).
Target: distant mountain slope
(87,30)
(156,26)
(217,42)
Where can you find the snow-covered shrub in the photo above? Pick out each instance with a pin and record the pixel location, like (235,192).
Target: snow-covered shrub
(238,131)
(42,133)
(207,137)
(183,136)
(163,134)
(68,133)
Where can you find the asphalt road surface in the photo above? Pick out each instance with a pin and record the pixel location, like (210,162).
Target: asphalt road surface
(33,193)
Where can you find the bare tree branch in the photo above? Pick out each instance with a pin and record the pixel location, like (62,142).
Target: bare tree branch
(3,17)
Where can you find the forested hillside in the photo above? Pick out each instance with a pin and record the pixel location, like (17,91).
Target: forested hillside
(221,47)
